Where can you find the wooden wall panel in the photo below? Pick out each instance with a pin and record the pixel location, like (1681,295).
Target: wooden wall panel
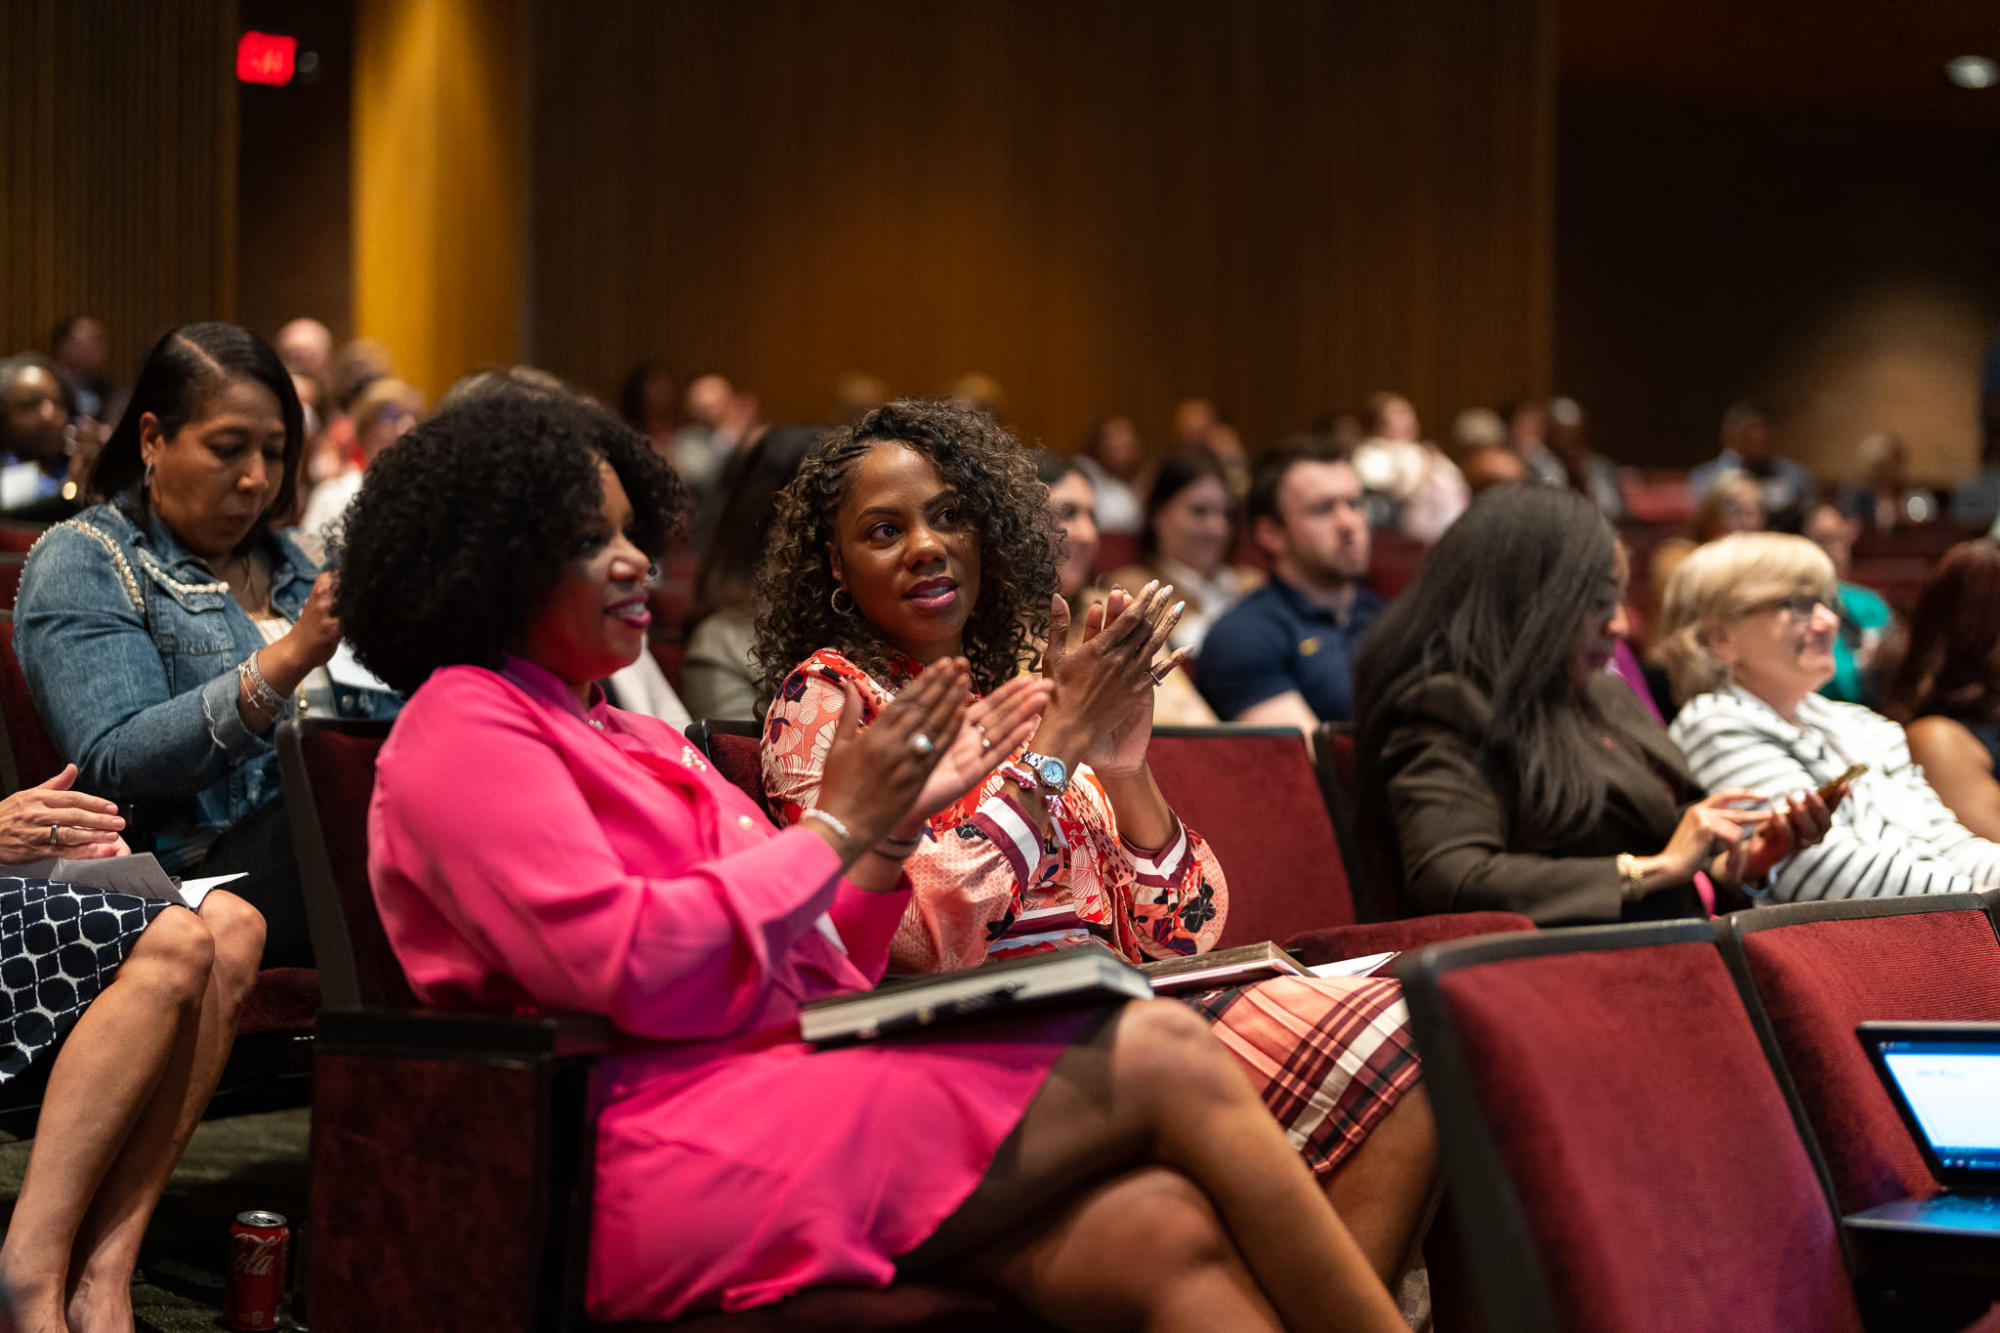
(1845,270)
(1108,206)
(117,168)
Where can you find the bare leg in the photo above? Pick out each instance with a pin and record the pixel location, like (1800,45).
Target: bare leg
(1153,1085)
(1142,1250)
(1384,1192)
(107,1242)
(100,1083)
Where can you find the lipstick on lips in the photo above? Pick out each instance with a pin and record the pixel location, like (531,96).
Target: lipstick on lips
(933,596)
(632,611)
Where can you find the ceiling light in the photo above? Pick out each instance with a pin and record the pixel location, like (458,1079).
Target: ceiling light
(1972,72)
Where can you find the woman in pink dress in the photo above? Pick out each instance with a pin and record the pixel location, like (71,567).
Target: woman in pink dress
(922,534)
(533,848)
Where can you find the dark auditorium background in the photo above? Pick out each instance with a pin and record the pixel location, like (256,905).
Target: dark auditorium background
(1655,206)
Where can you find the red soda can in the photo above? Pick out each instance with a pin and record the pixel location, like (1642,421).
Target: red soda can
(257,1245)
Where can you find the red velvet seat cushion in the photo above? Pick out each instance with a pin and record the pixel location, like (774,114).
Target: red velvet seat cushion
(285,999)
(1257,802)
(1818,979)
(1603,1076)
(35,756)
(1358,941)
(739,758)
(342,768)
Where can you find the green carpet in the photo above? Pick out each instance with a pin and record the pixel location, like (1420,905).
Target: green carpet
(243,1162)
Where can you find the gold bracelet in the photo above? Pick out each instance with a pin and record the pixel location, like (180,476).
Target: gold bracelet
(1634,877)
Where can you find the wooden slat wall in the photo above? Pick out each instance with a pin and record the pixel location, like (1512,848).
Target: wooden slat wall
(117,168)
(1108,205)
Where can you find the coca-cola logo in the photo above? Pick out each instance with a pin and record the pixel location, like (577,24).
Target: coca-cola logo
(257,1256)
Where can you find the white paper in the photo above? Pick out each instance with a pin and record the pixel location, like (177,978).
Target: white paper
(1352,967)
(346,669)
(194,890)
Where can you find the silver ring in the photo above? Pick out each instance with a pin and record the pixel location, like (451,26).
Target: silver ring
(1161,672)
(52,833)
(921,743)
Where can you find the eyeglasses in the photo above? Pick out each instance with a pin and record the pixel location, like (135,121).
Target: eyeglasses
(1800,606)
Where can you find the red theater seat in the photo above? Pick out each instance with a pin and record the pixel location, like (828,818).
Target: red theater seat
(733,746)
(1619,1151)
(29,756)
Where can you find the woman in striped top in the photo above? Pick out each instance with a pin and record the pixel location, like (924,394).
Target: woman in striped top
(1747,637)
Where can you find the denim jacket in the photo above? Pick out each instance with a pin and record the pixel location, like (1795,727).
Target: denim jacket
(130,647)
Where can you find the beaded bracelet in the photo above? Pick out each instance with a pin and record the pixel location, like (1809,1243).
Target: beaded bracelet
(262,696)
(839,826)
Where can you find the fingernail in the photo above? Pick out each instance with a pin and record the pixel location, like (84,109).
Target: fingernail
(1177,608)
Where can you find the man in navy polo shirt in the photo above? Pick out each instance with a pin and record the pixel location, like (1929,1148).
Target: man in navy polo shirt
(1284,655)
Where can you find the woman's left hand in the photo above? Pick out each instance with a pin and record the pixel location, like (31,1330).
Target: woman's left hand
(995,727)
(84,825)
(1797,822)
(1120,750)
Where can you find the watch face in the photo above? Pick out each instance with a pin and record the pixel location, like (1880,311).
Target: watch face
(1053,773)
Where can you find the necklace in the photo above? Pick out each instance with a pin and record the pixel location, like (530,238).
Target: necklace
(242,574)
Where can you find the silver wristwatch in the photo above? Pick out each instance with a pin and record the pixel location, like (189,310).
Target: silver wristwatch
(1050,771)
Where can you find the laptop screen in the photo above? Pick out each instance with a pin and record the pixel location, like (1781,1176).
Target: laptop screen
(1952,1088)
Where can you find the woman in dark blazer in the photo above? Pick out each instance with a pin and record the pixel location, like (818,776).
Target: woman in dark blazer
(1517,773)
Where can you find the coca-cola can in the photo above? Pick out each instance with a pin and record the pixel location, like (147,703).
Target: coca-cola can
(257,1245)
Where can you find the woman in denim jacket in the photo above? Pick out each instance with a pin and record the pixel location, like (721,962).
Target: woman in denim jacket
(166,630)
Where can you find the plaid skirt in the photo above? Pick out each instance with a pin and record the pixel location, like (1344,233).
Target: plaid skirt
(1330,1056)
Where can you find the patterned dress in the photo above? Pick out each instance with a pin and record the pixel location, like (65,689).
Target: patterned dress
(59,946)
(1329,1056)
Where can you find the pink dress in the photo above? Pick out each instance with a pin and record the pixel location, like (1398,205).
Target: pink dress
(528,853)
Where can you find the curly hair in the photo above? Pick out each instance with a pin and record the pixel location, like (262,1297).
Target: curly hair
(462,528)
(1008,507)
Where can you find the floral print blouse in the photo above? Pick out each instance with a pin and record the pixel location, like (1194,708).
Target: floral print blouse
(981,864)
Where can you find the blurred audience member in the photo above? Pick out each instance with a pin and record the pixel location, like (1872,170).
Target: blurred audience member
(717,676)
(1865,619)
(1786,487)
(37,436)
(980,391)
(715,420)
(1528,437)
(1477,428)
(79,348)
(1417,490)
(1176,702)
(360,363)
(1284,655)
(1946,692)
(1187,541)
(855,395)
(1193,419)
(647,401)
(1487,466)
(1884,498)
(1748,637)
(1733,503)
(306,347)
(382,414)
(1582,470)
(1114,459)
(1976,500)
(165,631)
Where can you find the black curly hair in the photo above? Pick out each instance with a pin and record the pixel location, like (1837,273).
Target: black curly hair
(1008,507)
(462,528)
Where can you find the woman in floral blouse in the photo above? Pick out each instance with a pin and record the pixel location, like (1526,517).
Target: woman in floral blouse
(922,533)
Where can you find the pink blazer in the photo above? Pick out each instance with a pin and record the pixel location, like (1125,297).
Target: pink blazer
(530,853)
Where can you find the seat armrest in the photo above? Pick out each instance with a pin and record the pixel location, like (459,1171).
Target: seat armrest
(435,1034)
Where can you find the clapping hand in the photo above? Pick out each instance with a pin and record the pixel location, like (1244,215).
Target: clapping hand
(1111,677)
(875,773)
(995,727)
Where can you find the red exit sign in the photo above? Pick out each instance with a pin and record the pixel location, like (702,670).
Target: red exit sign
(266,57)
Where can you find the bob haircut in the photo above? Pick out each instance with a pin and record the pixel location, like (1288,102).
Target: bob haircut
(1952,667)
(461,531)
(1177,472)
(185,369)
(1724,581)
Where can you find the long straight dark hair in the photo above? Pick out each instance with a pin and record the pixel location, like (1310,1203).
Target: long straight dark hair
(185,368)
(1499,604)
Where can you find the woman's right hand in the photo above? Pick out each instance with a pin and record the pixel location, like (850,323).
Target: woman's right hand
(1707,827)
(85,826)
(874,774)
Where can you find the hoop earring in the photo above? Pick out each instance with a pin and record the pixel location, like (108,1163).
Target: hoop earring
(834,602)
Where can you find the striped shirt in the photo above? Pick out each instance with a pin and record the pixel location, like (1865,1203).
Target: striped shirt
(1891,836)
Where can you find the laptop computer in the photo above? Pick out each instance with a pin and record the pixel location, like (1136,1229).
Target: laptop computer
(1945,1081)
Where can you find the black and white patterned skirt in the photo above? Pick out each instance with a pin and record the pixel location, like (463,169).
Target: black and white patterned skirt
(59,947)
